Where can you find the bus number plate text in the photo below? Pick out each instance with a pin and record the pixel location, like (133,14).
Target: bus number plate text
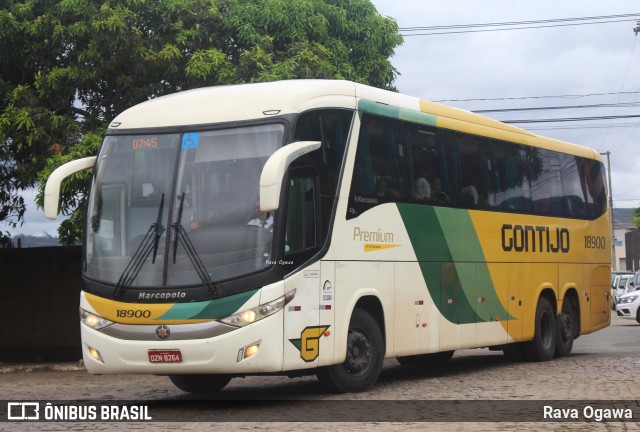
(165,356)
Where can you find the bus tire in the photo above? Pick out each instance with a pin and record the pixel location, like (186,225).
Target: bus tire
(365,354)
(543,345)
(200,384)
(565,325)
(431,360)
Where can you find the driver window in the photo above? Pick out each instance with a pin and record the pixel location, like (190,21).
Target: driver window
(301,231)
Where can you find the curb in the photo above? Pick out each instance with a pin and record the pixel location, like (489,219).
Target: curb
(42,367)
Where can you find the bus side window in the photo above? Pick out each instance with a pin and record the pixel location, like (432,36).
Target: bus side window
(546,185)
(380,171)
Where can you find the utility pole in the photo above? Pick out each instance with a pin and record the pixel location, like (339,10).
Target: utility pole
(614,264)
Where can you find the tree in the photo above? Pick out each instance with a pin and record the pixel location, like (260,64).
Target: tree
(636,218)
(72,65)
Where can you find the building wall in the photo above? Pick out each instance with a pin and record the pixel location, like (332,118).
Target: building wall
(632,245)
(621,250)
(39,300)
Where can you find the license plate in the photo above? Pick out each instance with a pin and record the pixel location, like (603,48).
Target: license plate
(165,356)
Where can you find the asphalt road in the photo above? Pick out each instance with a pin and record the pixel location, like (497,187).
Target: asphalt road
(479,390)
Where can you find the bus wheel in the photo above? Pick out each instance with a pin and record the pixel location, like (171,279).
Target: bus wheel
(200,384)
(543,345)
(565,324)
(365,354)
(431,360)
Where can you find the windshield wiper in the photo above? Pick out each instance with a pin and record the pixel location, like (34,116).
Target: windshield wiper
(180,235)
(148,245)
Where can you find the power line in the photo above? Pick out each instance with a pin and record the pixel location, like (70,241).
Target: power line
(623,104)
(633,188)
(568,119)
(536,97)
(514,28)
(582,127)
(510,25)
(624,81)
(635,125)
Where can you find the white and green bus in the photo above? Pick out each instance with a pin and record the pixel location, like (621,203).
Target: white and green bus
(320,227)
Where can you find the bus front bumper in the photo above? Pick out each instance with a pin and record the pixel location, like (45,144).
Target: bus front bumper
(256,348)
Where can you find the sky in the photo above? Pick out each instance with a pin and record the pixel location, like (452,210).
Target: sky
(567,60)
(573,60)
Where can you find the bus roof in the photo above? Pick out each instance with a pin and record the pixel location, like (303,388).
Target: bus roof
(243,102)
(239,102)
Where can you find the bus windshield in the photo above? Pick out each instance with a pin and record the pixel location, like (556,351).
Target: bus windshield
(180,209)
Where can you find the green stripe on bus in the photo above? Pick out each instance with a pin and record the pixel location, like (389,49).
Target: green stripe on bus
(212,309)
(452,263)
(395,112)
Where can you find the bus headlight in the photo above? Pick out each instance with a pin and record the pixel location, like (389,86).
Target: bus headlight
(250,316)
(94,321)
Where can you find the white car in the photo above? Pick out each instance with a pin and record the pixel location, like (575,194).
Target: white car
(627,306)
(618,287)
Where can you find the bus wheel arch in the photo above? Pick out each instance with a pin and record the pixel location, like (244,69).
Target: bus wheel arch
(543,345)
(373,306)
(364,352)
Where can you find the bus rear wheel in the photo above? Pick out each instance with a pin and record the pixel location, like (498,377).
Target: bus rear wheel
(365,354)
(565,324)
(200,384)
(543,345)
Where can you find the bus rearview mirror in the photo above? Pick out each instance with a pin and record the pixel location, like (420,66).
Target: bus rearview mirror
(275,168)
(52,188)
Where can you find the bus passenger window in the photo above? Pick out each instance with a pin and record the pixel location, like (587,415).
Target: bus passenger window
(546,186)
(380,171)
(471,179)
(425,162)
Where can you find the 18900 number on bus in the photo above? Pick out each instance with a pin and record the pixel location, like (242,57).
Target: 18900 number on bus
(133,313)
(594,242)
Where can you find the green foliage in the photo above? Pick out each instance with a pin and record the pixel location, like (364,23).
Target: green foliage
(69,67)
(636,218)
